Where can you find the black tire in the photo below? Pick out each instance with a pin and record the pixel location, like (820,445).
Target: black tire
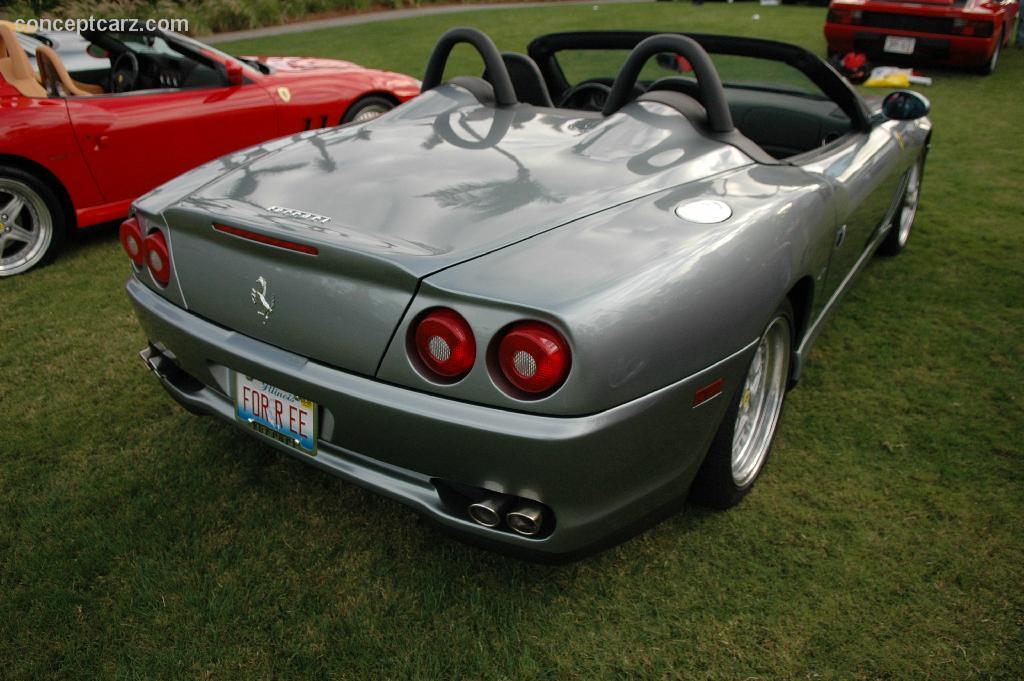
(40,217)
(899,234)
(989,67)
(361,110)
(716,485)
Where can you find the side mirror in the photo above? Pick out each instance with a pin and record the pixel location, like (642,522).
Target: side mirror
(905,105)
(236,75)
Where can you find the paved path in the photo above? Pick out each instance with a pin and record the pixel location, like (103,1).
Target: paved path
(389,15)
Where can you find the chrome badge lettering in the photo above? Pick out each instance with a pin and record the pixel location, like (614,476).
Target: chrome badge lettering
(305,215)
(264,303)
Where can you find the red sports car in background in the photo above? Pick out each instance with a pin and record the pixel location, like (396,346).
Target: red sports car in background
(953,32)
(77,148)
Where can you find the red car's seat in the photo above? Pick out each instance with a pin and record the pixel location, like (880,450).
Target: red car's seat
(15,66)
(56,78)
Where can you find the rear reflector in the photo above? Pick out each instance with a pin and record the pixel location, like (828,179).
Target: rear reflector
(268,240)
(713,389)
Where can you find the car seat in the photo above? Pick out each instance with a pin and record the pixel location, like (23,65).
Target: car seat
(56,79)
(15,66)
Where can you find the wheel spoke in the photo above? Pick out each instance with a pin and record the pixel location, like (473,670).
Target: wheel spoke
(13,208)
(21,234)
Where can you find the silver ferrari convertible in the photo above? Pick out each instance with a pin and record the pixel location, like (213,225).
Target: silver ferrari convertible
(542,306)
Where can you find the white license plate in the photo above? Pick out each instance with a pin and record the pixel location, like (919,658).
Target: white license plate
(898,44)
(276,413)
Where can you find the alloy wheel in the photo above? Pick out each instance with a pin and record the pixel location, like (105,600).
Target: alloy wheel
(369,113)
(26,227)
(761,402)
(908,209)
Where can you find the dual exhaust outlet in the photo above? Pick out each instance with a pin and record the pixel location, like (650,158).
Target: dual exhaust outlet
(521,516)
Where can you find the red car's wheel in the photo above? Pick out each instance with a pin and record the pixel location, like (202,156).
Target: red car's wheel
(990,65)
(31,221)
(366,109)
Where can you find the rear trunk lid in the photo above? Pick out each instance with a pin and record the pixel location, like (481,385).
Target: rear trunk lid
(434,183)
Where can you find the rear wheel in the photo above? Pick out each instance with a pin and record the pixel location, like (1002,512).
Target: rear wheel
(903,221)
(990,65)
(743,441)
(31,222)
(367,109)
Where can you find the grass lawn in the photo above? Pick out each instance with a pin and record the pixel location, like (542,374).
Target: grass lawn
(886,538)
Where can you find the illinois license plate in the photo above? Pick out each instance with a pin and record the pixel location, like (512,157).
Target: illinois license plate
(898,44)
(275,413)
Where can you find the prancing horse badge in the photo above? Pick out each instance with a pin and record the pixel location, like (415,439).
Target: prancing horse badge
(285,94)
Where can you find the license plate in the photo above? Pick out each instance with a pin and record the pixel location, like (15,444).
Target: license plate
(898,44)
(275,413)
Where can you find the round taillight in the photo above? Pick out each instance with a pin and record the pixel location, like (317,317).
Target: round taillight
(444,343)
(131,240)
(157,258)
(534,357)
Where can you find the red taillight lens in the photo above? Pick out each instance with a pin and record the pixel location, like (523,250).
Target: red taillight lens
(978,29)
(534,357)
(131,240)
(843,16)
(445,344)
(158,259)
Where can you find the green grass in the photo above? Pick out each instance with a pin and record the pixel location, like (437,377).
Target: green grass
(885,540)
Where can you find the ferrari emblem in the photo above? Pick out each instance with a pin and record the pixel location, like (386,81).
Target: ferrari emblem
(264,303)
(285,94)
(899,139)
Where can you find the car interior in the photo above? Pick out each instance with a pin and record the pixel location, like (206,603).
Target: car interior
(149,61)
(772,100)
(139,62)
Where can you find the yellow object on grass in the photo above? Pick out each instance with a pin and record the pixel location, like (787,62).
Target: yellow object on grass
(890,80)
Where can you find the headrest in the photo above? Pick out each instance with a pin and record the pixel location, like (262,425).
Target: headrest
(55,76)
(689,107)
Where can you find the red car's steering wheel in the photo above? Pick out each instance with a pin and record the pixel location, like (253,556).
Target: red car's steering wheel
(125,72)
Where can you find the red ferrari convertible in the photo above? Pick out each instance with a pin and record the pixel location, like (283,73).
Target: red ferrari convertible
(953,32)
(77,148)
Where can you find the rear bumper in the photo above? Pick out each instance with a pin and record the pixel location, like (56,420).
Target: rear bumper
(939,49)
(604,476)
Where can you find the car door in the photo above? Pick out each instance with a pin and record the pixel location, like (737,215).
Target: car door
(136,141)
(864,169)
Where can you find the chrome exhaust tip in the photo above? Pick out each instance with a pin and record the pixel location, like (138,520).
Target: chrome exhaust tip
(526,519)
(487,511)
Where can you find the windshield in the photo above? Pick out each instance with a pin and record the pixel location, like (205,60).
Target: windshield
(735,71)
(201,47)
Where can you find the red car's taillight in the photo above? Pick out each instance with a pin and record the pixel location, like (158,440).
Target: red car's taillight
(978,29)
(844,16)
(534,357)
(158,259)
(445,344)
(131,240)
